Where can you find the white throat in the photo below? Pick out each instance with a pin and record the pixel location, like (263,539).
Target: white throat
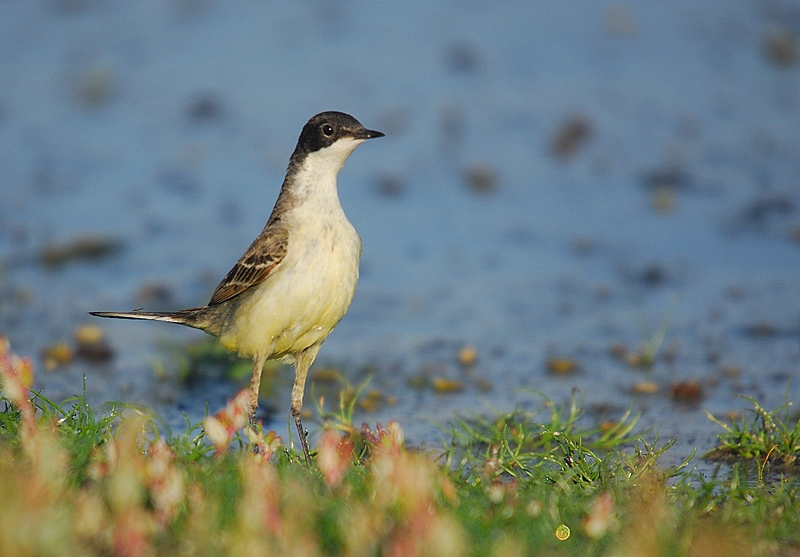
(316,177)
(313,190)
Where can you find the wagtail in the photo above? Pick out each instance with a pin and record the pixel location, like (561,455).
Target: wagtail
(296,280)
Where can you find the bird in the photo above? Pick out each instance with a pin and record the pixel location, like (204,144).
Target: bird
(296,281)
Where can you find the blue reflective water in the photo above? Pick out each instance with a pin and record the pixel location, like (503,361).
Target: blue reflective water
(168,125)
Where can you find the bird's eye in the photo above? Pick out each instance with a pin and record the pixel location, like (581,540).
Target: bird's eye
(327,130)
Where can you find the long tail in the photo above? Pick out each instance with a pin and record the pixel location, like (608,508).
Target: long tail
(193,317)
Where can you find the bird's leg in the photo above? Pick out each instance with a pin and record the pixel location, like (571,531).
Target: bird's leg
(301,432)
(302,362)
(255,387)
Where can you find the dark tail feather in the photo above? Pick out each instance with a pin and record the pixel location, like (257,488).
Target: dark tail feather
(193,317)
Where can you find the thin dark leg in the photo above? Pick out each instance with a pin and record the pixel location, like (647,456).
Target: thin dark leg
(303,435)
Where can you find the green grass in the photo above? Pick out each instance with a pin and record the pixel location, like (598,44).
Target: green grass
(770,442)
(81,481)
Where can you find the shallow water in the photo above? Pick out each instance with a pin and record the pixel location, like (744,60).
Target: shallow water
(671,197)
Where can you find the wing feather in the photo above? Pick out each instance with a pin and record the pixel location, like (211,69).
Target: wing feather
(258,262)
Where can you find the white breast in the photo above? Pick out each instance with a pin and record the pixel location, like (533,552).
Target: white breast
(306,296)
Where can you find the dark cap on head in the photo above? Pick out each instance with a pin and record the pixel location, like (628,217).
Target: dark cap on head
(324,129)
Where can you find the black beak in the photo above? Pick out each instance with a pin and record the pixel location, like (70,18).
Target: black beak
(364,133)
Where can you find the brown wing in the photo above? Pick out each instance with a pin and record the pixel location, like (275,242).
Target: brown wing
(261,258)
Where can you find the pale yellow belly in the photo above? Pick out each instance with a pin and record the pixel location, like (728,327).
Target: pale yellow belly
(301,302)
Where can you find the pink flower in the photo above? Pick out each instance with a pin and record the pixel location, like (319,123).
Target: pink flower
(16,378)
(222,427)
(601,516)
(334,457)
(390,440)
(263,445)
(167,487)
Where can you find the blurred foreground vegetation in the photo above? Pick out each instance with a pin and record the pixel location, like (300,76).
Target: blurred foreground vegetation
(76,482)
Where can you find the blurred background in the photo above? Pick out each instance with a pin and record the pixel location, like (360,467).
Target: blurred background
(591,198)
